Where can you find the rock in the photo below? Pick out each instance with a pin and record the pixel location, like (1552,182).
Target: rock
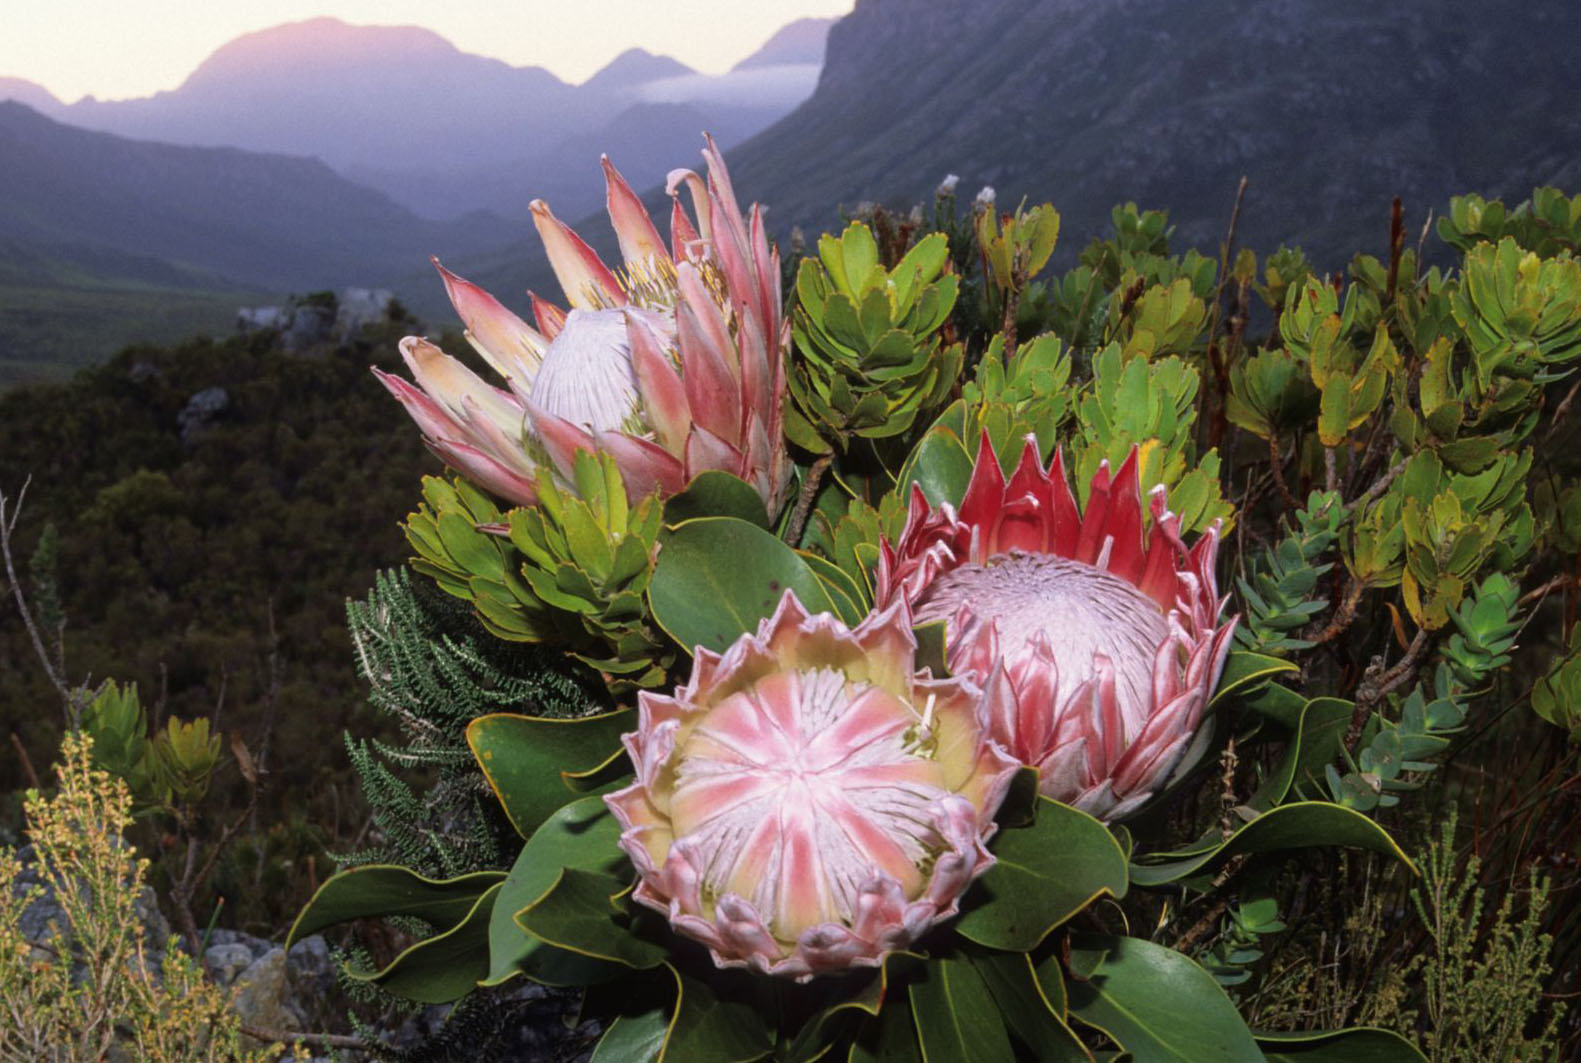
(201,411)
(359,307)
(225,962)
(262,318)
(263,995)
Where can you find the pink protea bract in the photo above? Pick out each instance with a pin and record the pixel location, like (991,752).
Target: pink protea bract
(1096,635)
(808,802)
(672,363)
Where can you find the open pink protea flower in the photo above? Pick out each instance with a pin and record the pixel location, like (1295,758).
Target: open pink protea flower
(1098,645)
(807,802)
(672,364)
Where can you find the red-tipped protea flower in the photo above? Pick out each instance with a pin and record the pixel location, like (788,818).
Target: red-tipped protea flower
(808,802)
(671,364)
(1097,640)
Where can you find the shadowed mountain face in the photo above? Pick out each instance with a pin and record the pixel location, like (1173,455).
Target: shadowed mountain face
(441,131)
(276,222)
(1329,107)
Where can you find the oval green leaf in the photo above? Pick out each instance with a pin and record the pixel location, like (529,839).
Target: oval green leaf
(1301,825)
(941,465)
(577,913)
(955,1015)
(1245,672)
(1361,1044)
(535,763)
(1044,873)
(581,835)
(718,576)
(715,493)
(444,967)
(1158,1005)
(380,890)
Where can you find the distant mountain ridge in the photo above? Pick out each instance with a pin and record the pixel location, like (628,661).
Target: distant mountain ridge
(440,130)
(269,221)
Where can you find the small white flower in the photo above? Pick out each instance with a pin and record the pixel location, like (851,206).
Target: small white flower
(947,186)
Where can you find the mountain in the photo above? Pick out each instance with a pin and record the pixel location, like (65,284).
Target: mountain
(801,41)
(1329,107)
(33,95)
(440,131)
(633,67)
(106,240)
(273,221)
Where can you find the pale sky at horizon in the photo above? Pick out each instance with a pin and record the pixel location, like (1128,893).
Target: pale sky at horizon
(115,50)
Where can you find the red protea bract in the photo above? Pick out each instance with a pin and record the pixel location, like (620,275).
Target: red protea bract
(1095,633)
(809,802)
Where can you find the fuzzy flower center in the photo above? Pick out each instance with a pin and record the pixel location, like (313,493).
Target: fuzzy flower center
(1081,610)
(796,792)
(586,376)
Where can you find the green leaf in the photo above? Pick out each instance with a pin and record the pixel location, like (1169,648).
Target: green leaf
(1159,1005)
(955,1015)
(444,967)
(1031,1017)
(890,1037)
(1244,672)
(1045,873)
(715,493)
(383,890)
(581,835)
(709,1030)
(1362,1044)
(940,465)
(633,1038)
(1301,825)
(577,913)
(717,577)
(530,761)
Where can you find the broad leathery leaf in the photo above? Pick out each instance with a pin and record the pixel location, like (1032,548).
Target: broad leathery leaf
(444,967)
(955,1015)
(1304,824)
(577,913)
(1028,1013)
(1043,874)
(716,493)
(529,760)
(583,835)
(1361,1044)
(384,890)
(1158,1005)
(717,577)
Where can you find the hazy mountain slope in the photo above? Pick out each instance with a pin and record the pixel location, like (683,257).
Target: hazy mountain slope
(441,131)
(271,221)
(801,41)
(1330,107)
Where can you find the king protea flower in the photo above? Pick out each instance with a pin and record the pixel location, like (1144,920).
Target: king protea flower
(671,364)
(808,802)
(1098,643)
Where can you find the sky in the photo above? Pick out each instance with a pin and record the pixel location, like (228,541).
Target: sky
(115,49)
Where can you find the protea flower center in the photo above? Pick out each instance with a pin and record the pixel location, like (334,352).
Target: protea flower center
(1083,613)
(808,801)
(587,377)
(1095,633)
(792,794)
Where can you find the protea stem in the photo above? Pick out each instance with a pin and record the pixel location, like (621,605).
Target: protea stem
(804,498)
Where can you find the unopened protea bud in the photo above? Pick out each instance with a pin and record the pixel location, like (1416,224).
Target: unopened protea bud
(808,802)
